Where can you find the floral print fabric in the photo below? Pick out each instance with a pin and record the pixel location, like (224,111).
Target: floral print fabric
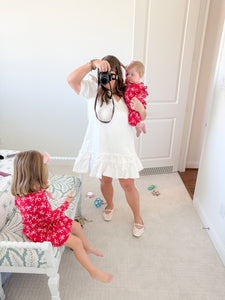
(40,222)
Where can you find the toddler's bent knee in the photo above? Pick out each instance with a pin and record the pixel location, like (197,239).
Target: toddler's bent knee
(76,226)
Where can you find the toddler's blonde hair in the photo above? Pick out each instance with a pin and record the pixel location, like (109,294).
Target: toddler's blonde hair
(138,66)
(30,173)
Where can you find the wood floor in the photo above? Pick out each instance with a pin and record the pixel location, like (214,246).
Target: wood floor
(189,178)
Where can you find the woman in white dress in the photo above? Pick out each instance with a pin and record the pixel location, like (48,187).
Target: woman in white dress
(108,150)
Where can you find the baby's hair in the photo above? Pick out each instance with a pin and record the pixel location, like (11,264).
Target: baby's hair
(138,66)
(30,173)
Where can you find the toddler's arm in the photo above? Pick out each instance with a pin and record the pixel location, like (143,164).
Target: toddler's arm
(45,211)
(69,197)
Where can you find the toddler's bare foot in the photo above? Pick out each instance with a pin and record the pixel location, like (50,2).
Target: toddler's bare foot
(94,251)
(102,276)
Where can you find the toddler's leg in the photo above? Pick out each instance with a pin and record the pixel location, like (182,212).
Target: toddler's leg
(77,245)
(78,231)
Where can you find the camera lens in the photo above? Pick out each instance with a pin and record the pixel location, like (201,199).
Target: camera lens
(104,77)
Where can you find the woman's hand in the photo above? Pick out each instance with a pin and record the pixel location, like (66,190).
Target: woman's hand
(102,65)
(74,79)
(139,107)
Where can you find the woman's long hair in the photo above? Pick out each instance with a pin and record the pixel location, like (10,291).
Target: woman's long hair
(119,87)
(30,173)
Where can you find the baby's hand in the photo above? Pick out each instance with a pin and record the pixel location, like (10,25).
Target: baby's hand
(69,198)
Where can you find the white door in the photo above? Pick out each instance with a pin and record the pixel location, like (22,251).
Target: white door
(164,38)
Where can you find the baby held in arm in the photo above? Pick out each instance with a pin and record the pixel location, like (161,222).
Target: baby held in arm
(135,90)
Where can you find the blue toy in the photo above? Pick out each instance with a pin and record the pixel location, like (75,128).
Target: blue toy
(151,187)
(98,202)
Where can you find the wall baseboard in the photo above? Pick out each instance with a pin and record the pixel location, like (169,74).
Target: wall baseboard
(218,244)
(192,164)
(62,161)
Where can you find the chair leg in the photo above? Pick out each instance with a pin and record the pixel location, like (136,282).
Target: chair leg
(2,294)
(53,284)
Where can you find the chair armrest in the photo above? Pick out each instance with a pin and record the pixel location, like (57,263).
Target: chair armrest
(46,247)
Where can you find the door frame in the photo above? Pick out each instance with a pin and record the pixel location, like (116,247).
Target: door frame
(192,91)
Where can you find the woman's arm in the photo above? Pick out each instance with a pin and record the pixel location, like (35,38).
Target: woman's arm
(74,79)
(143,114)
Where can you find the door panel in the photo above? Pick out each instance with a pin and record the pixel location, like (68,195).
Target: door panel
(169,30)
(161,147)
(165,42)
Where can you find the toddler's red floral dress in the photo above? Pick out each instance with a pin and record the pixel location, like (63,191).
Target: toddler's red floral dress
(40,222)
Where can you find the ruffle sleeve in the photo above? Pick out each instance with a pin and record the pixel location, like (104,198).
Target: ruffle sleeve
(88,87)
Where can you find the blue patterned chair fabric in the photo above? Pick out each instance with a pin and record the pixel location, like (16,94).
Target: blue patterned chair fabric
(60,186)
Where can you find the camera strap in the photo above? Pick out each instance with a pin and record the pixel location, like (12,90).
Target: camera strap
(96,99)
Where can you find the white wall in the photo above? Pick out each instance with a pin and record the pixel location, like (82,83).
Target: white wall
(205,82)
(41,43)
(209,196)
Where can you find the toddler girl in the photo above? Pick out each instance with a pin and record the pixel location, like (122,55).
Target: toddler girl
(40,222)
(135,89)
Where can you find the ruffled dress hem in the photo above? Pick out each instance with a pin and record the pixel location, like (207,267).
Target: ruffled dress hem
(112,165)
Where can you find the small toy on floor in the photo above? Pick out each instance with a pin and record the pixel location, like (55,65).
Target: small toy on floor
(98,202)
(151,187)
(90,194)
(155,193)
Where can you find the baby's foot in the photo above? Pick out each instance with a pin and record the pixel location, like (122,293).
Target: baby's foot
(94,251)
(140,127)
(102,276)
(138,131)
(143,127)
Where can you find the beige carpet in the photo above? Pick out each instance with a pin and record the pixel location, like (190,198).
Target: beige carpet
(174,260)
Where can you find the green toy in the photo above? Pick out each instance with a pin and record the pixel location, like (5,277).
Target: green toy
(151,187)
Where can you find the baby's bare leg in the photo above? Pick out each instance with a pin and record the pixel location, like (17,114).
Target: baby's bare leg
(77,245)
(140,127)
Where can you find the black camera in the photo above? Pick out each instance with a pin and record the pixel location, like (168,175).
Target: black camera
(104,77)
